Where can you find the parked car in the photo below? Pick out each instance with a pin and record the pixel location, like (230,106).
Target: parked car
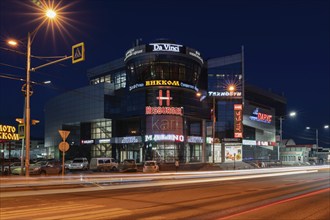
(103,164)
(150,166)
(14,166)
(128,165)
(51,167)
(34,168)
(79,164)
(67,163)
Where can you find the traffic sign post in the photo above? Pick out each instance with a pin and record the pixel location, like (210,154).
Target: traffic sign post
(21,131)
(63,146)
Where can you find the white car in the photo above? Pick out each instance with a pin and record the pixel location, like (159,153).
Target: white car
(79,164)
(150,166)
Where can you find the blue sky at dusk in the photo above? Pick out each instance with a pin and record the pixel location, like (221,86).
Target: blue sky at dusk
(286,43)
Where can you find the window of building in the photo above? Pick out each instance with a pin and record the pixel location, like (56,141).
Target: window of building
(120,80)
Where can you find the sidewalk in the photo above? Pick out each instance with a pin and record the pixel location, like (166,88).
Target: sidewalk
(204,166)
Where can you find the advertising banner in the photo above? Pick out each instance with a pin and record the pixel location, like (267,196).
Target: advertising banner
(164,124)
(238,119)
(233,152)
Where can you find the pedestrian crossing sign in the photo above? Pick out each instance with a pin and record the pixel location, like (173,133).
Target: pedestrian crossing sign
(21,131)
(78,52)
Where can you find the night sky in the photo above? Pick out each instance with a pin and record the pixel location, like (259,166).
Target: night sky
(286,46)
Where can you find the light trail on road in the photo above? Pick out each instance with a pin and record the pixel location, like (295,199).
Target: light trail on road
(94,184)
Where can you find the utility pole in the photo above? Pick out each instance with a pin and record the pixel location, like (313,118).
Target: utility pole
(27,109)
(213,128)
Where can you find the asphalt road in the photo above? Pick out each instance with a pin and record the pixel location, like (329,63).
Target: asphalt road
(288,197)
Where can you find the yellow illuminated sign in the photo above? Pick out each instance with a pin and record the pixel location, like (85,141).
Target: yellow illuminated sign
(7,132)
(78,52)
(162,83)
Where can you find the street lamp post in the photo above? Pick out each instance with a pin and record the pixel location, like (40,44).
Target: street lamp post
(50,14)
(213,127)
(316,135)
(27,107)
(291,114)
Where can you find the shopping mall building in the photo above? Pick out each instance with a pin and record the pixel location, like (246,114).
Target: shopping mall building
(163,101)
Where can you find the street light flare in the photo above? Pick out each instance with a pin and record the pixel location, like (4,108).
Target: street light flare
(292,114)
(12,42)
(51,13)
(231,88)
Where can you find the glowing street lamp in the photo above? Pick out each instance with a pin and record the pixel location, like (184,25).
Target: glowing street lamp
(231,88)
(50,13)
(12,42)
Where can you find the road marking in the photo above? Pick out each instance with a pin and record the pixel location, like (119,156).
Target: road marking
(16,213)
(98,213)
(276,203)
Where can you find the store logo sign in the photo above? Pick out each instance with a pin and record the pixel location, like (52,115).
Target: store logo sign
(261,117)
(168,97)
(161,110)
(7,132)
(166,47)
(238,121)
(162,83)
(164,137)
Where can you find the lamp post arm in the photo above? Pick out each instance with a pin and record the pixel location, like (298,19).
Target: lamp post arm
(50,63)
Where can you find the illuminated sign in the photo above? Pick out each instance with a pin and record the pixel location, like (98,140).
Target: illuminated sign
(194,139)
(133,52)
(164,110)
(249,142)
(238,119)
(166,47)
(78,52)
(162,83)
(233,152)
(164,124)
(104,141)
(129,139)
(136,86)
(195,54)
(164,137)
(225,94)
(7,132)
(168,97)
(188,86)
(261,117)
(87,141)
(265,143)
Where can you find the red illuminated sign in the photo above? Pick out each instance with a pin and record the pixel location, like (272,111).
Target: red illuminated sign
(161,110)
(264,117)
(238,121)
(261,117)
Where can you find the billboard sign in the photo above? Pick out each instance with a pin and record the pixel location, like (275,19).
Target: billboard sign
(238,121)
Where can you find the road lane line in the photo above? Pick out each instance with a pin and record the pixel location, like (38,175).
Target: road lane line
(90,214)
(39,211)
(276,203)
